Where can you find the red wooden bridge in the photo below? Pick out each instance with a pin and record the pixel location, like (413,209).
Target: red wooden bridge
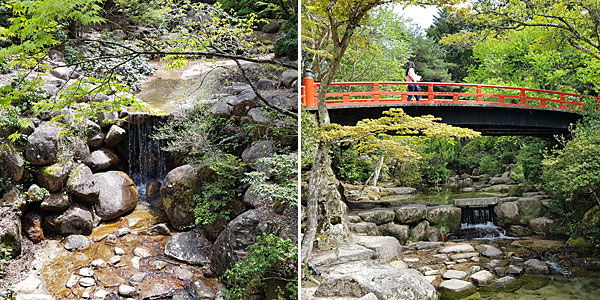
(491,109)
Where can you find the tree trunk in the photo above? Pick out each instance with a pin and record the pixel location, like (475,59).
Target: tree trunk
(377,170)
(315,183)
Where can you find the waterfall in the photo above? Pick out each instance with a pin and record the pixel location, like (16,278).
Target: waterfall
(477,223)
(147,162)
(477,215)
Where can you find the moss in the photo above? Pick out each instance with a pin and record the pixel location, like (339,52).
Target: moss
(580,244)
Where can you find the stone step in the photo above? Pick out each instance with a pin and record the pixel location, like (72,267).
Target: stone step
(476,202)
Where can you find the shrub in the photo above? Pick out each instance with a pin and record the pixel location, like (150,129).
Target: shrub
(407,174)
(287,45)
(269,266)
(434,172)
(530,158)
(349,167)
(489,165)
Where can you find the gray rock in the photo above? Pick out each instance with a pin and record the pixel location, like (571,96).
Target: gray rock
(55,202)
(114,135)
(64,73)
(183,273)
(243,102)
(12,163)
(220,109)
(518,231)
(157,291)
(369,296)
(501,180)
(282,102)
(514,270)
(98,263)
(158,229)
(411,214)
(499,188)
(529,208)
(378,217)
(102,159)
(386,247)
(254,201)
(96,141)
(506,280)
(75,220)
(287,77)
(489,251)
(86,272)
(106,119)
(464,255)
(118,194)
(54,177)
(419,232)
(434,234)
(507,213)
(455,286)
(401,190)
(177,193)
(87,282)
(365,228)
(238,88)
(482,277)
(257,116)
(535,266)
(272,27)
(191,247)
(82,185)
(232,243)
(10,230)
(445,215)
(260,149)
(127,290)
(400,232)
(457,248)
(141,252)
(398,264)
(354,219)
(357,279)
(454,274)
(540,225)
(42,145)
(266,84)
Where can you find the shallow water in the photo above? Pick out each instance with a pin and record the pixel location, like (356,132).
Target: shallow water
(437,198)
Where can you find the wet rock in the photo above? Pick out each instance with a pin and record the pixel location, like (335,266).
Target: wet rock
(123,231)
(535,266)
(418,233)
(82,185)
(506,280)
(12,163)
(72,281)
(102,159)
(75,220)
(87,282)
(115,260)
(55,202)
(507,213)
(266,84)
(365,228)
(243,102)
(202,291)
(411,214)
(177,192)
(141,252)
(127,290)
(76,242)
(152,188)
(357,279)
(455,286)
(518,231)
(158,265)
(158,229)
(401,190)
(232,243)
(260,149)
(482,277)
(135,262)
(540,225)
(114,135)
(32,225)
(386,248)
(42,145)
(119,251)
(155,291)
(445,215)
(118,194)
(191,247)
(86,272)
(454,274)
(378,217)
(489,251)
(457,248)
(400,232)
(54,177)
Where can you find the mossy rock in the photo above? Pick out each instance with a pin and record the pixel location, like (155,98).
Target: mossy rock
(580,244)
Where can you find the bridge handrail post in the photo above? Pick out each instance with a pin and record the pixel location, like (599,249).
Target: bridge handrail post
(522,97)
(562,100)
(478,91)
(375,92)
(310,90)
(430,92)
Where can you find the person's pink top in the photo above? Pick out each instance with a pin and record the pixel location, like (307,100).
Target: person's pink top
(410,77)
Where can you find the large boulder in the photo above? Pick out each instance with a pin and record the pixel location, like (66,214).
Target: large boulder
(10,230)
(287,77)
(102,159)
(241,232)
(260,149)
(400,232)
(386,247)
(114,135)
(243,102)
(75,220)
(507,213)
(359,278)
(177,192)
(378,217)
(82,185)
(411,214)
(445,215)
(419,232)
(12,163)
(540,225)
(54,177)
(536,266)
(191,247)
(55,202)
(42,145)
(117,195)
(529,208)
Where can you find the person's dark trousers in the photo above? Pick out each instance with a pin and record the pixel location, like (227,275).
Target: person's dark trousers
(413,88)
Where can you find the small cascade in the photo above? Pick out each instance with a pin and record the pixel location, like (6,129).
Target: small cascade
(477,223)
(477,215)
(147,162)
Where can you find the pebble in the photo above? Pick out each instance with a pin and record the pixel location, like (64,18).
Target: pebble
(76,242)
(115,260)
(183,274)
(431,273)
(135,262)
(72,281)
(474,269)
(449,263)
(98,263)
(87,282)
(99,295)
(158,229)
(475,259)
(123,231)
(137,278)
(119,251)
(460,261)
(142,252)
(440,256)
(86,272)
(158,265)
(411,259)
(126,290)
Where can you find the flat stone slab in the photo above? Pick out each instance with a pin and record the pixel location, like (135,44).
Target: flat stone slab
(455,286)
(482,277)
(457,248)
(476,202)
(386,248)
(343,254)
(454,274)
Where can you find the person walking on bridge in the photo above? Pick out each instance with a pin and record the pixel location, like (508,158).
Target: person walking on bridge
(411,76)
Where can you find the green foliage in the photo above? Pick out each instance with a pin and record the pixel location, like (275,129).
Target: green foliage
(141,12)
(212,203)
(434,172)
(429,61)
(530,159)
(287,45)
(283,170)
(309,130)
(445,229)
(349,166)
(489,164)
(406,173)
(271,264)
(263,9)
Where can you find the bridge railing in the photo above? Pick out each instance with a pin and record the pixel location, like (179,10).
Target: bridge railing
(365,93)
